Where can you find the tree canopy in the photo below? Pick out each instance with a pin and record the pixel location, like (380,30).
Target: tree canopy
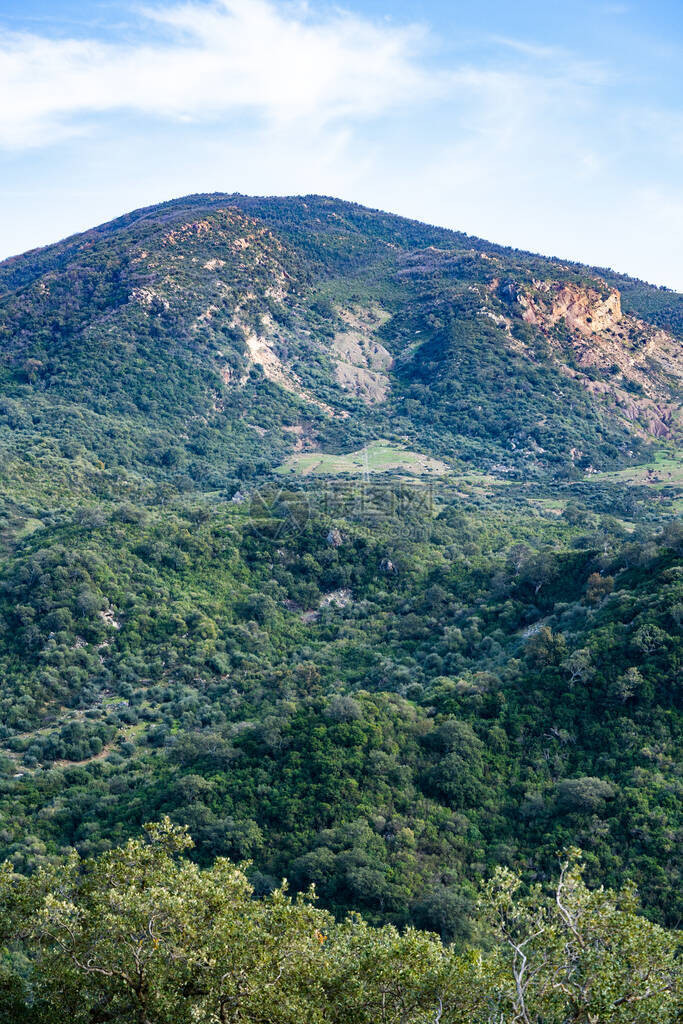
(143,935)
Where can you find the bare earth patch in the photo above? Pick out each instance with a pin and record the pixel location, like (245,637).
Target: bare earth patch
(362,361)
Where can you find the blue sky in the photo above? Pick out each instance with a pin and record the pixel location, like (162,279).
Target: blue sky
(552,127)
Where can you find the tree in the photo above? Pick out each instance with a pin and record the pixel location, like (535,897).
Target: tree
(141,935)
(598,587)
(586,795)
(579,666)
(546,648)
(580,956)
(138,936)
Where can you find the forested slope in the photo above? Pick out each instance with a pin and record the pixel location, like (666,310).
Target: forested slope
(385,682)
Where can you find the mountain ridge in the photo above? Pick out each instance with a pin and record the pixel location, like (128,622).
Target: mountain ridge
(328,245)
(177,204)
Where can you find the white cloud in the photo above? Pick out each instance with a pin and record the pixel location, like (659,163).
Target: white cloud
(282,64)
(526,144)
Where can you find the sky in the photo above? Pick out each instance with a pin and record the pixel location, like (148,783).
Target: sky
(554,127)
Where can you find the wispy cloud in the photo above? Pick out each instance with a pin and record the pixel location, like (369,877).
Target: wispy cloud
(565,63)
(615,10)
(282,64)
(523,140)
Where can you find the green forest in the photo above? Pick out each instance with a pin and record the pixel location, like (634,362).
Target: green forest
(438,694)
(141,934)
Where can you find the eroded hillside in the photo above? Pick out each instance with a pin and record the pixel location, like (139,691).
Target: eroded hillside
(199,327)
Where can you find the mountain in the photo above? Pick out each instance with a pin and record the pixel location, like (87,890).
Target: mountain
(167,341)
(347,541)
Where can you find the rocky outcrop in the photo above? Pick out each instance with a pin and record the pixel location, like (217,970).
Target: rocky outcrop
(617,357)
(586,310)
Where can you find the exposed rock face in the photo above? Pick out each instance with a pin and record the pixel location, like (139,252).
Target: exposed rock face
(362,361)
(334,539)
(304,435)
(260,353)
(336,598)
(636,362)
(148,297)
(584,310)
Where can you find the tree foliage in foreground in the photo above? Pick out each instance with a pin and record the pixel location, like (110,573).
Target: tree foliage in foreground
(143,935)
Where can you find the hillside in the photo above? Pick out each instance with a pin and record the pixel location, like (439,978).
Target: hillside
(165,343)
(348,542)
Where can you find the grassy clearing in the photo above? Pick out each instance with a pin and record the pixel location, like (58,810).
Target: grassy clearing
(664,471)
(376,457)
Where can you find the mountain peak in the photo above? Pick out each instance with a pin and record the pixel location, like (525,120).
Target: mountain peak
(343,320)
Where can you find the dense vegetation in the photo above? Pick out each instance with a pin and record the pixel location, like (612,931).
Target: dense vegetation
(389,688)
(486,700)
(141,936)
